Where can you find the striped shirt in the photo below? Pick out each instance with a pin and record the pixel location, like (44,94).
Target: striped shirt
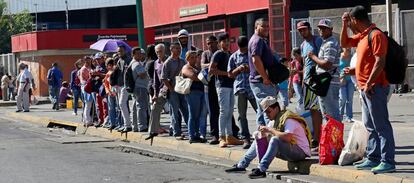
(330,51)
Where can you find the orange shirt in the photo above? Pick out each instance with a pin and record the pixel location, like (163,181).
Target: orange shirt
(106,83)
(366,56)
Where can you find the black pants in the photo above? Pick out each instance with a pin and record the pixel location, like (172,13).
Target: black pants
(215,112)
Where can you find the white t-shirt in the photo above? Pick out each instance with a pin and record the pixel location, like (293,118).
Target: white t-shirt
(294,127)
(353,65)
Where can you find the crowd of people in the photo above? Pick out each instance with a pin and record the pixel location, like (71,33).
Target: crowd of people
(219,79)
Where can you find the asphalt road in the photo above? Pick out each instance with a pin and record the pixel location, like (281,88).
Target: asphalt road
(32,154)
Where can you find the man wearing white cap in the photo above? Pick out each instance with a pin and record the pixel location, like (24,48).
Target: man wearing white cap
(328,61)
(289,139)
(184,40)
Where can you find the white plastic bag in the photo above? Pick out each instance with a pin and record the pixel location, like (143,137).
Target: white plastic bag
(355,145)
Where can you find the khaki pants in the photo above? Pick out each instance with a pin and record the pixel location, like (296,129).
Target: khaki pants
(4,91)
(22,99)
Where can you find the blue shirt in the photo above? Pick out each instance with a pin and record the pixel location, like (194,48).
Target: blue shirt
(183,52)
(306,47)
(58,76)
(343,63)
(241,84)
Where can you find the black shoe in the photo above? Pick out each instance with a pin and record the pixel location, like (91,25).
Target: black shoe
(120,129)
(127,129)
(214,141)
(135,130)
(26,111)
(246,143)
(314,144)
(195,140)
(235,169)
(151,136)
(203,140)
(18,110)
(257,174)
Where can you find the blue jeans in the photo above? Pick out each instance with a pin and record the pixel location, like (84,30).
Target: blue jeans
(299,92)
(76,95)
(197,122)
(178,108)
(284,97)
(54,96)
(381,145)
(141,98)
(260,92)
(346,95)
(226,103)
(112,111)
(329,103)
(277,148)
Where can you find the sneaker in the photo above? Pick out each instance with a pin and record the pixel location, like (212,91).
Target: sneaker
(231,140)
(235,169)
(222,142)
(257,174)
(19,110)
(214,141)
(75,114)
(127,129)
(367,165)
(246,144)
(314,143)
(383,168)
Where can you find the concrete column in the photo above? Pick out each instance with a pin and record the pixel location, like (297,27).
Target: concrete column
(250,24)
(103,18)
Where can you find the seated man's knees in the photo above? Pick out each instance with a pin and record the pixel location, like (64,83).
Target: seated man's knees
(275,139)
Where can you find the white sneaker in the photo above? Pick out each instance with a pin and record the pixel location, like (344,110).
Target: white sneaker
(75,114)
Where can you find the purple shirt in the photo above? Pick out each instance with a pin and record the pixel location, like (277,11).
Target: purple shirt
(158,84)
(259,47)
(63,94)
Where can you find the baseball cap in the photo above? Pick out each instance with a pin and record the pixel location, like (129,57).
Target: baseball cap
(267,102)
(98,55)
(302,25)
(325,23)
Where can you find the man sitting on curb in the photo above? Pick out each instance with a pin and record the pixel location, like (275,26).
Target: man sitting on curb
(289,139)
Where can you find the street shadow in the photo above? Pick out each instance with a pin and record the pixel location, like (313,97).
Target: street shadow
(404,163)
(404,152)
(404,147)
(404,170)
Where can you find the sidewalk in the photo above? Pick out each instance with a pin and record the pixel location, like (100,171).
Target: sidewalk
(401,115)
(42,100)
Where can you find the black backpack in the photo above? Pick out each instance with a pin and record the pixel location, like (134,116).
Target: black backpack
(129,79)
(396,61)
(277,72)
(113,79)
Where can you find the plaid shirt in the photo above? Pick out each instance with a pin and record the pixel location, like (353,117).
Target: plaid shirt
(241,83)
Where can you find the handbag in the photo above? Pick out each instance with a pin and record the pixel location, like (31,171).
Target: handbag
(319,83)
(182,85)
(277,73)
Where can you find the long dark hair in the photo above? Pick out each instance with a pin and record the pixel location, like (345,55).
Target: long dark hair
(151,55)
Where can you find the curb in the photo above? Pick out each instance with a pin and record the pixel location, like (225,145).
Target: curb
(13,103)
(305,167)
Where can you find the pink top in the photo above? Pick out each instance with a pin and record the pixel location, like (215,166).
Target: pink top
(84,75)
(295,64)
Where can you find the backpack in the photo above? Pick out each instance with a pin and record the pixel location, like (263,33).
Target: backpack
(129,79)
(396,61)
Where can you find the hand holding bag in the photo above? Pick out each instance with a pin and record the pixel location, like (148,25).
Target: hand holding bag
(182,85)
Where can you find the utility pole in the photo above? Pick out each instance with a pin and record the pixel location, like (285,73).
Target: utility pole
(140,24)
(389,18)
(67,15)
(36,14)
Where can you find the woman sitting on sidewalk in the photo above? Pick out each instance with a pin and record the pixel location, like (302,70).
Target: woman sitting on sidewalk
(290,139)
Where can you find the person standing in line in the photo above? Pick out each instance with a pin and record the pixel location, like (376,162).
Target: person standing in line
(75,85)
(346,93)
(178,104)
(54,77)
(185,43)
(374,86)
(113,120)
(239,66)
(140,93)
(23,84)
(297,71)
(5,82)
(224,87)
(312,44)
(84,75)
(261,57)
(160,93)
(327,60)
(124,60)
(196,100)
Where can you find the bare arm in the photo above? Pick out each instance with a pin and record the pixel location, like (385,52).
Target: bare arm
(215,71)
(258,64)
(287,137)
(189,73)
(345,40)
(378,68)
(168,84)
